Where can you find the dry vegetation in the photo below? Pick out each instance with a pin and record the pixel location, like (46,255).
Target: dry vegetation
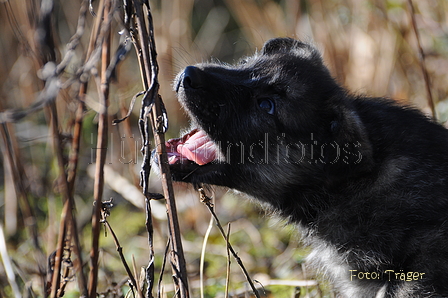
(53,91)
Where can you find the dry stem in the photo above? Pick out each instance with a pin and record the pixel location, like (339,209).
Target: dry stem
(122,258)
(150,268)
(101,148)
(202,262)
(207,201)
(152,110)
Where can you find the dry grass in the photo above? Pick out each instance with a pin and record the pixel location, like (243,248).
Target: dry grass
(54,122)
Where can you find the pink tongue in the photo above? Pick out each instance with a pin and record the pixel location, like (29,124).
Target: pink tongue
(196,147)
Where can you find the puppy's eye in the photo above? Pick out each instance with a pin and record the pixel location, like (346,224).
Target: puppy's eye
(267,105)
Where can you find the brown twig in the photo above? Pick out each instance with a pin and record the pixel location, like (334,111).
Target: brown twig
(77,129)
(51,71)
(131,107)
(162,270)
(73,160)
(68,219)
(120,250)
(422,61)
(208,202)
(150,268)
(45,45)
(47,59)
(152,110)
(101,147)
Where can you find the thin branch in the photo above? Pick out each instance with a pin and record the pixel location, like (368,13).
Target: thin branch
(68,220)
(207,201)
(202,261)
(422,61)
(51,71)
(101,147)
(122,258)
(162,270)
(56,278)
(73,162)
(131,107)
(152,108)
(228,264)
(150,268)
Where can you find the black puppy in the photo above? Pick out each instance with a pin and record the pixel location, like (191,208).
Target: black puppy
(364,179)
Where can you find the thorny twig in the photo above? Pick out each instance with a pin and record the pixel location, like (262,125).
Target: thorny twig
(153,116)
(208,202)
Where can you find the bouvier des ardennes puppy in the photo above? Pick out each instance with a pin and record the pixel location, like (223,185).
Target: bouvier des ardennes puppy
(364,179)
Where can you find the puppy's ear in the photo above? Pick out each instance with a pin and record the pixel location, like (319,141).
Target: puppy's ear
(291,47)
(278,45)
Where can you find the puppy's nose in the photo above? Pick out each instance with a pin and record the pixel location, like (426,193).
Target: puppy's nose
(192,77)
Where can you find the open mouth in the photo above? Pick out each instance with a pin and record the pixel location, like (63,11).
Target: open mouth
(194,147)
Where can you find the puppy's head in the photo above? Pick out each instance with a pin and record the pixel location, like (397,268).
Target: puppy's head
(269,112)
(272,91)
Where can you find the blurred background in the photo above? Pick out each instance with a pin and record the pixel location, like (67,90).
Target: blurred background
(370,46)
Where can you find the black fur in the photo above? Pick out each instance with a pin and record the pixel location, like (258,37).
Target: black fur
(365,179)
